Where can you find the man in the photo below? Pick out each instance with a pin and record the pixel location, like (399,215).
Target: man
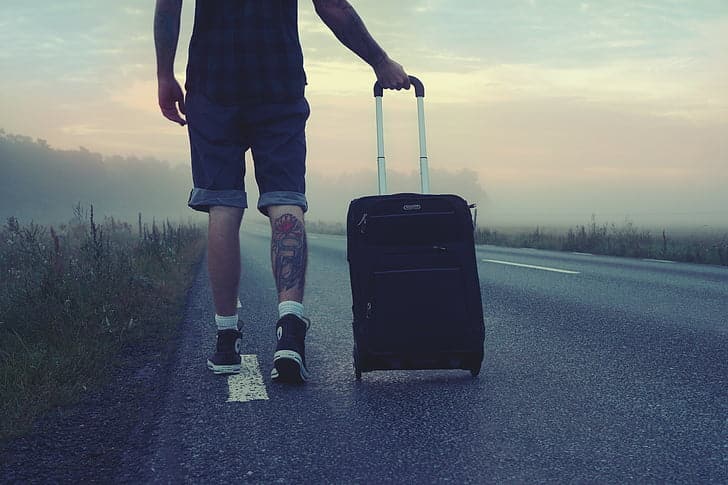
(245,89)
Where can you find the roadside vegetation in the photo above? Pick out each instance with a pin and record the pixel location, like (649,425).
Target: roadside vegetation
(319,227)
(625,240)
(74,295)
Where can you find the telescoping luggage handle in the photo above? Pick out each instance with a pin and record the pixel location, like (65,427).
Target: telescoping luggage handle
(381,168)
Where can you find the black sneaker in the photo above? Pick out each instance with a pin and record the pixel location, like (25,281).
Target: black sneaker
(226,359)
(289,360)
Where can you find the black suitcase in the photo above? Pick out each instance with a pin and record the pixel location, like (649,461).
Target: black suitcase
(414,278)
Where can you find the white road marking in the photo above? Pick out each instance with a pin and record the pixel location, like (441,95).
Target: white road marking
(248,385)
(543,268)
(582,254)
(658,260)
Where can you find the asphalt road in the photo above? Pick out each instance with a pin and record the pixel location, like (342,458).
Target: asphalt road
(597,369)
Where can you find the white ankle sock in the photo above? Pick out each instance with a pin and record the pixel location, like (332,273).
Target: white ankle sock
(286,307)
(226,323)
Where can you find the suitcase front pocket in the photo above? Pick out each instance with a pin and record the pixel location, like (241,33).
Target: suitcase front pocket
(411,229)
(416,311)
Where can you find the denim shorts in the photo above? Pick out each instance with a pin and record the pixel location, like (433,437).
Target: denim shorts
(219,138)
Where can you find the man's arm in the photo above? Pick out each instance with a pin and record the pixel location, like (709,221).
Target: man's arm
(349,28)
(166,34)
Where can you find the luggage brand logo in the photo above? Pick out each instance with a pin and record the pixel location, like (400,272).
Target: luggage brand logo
(412,207)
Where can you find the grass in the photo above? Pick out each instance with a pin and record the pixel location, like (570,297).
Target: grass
(626,240)
(74,295)
(320,227)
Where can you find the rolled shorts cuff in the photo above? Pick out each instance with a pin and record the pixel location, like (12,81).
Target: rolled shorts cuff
(203,199)
(281,197)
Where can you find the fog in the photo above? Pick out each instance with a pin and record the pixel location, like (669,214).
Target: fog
(44,184)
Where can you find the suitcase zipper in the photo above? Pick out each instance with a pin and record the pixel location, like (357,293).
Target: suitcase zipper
(362,225)
(368,314)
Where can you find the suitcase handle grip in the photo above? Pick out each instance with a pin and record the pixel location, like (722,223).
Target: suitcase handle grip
(419,88)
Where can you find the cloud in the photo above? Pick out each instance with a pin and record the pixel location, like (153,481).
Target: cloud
(88,129)
(134,11)
(426,6)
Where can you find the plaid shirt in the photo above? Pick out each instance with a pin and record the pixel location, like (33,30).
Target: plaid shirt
(246,51)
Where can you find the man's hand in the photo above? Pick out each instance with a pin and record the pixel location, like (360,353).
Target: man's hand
(391,75)
(170,95)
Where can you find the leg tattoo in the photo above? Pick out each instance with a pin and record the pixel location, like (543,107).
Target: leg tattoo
(288,251)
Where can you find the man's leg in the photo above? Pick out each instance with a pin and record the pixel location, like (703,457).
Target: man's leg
(223,257)
(218,146)
(279,153)
(223,264)
(289,254)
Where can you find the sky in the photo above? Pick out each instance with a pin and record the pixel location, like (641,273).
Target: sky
(560,109)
